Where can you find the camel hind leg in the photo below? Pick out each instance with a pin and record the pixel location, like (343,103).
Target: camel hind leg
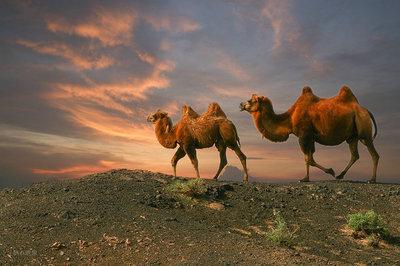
(179,154)
(242,159)
(230,137)
(364,130)
(375,159)
(353,145)
(222,158)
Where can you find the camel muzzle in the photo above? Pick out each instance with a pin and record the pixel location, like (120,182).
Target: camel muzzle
(242,106)
(150,118)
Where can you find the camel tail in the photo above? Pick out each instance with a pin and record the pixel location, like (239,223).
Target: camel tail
(373,121)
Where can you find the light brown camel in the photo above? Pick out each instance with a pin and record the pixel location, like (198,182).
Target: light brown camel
(197,132)
(312,119)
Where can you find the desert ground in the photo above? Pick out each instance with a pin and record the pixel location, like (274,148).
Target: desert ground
(132,217)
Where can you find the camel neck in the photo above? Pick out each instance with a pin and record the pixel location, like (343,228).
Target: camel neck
(275,127)
(165,133)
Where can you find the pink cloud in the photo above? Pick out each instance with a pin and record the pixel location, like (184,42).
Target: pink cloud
(232,91)
(231,65)
(76,56)
(175,24)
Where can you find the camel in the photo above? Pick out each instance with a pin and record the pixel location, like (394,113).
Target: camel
(312,119)
(195,131)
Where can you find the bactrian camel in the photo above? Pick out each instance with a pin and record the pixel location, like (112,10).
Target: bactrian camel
(195,131)
(312,119)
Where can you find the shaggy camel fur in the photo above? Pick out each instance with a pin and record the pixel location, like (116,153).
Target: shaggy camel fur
(197,132)
(312,119)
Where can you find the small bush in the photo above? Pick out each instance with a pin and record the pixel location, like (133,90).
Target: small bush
(193,188)
(369,223)
(280,234)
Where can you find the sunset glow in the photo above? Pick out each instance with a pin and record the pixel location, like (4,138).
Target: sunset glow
(79,79)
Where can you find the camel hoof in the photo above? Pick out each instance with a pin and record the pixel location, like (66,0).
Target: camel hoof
(331,172)
(305,179)
(339,177)
(215,177)
(372,181)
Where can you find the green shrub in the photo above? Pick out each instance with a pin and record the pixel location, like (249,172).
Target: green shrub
(368,222)
(280,233)
(193,188)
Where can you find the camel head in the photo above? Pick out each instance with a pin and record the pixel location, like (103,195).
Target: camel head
(252,105)
(157,116)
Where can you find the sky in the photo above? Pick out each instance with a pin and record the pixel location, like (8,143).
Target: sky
(78,79)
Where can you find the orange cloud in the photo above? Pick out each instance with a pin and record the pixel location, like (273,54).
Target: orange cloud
(76,171)
(108,124)
(113,96)
(175,24)
(110,27)
(73,55)
(87,105)
(71,94)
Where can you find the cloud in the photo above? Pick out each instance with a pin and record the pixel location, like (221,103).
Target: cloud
(74,55)
(113,106)
(108,124)
(279,16)
(231,66)
(114,96)
(288,33)
(232,91)
(110,27)
(110,109)
(175,24)
(80,170)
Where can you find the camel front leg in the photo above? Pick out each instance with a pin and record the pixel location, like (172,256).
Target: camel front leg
(191,152)
(222,159)
(353,145)
(326,170)
(179,154)
(308,148)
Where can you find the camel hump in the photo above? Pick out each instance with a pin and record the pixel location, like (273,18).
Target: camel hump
(346,95)
(189,112)
(215,110)
(307,89)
